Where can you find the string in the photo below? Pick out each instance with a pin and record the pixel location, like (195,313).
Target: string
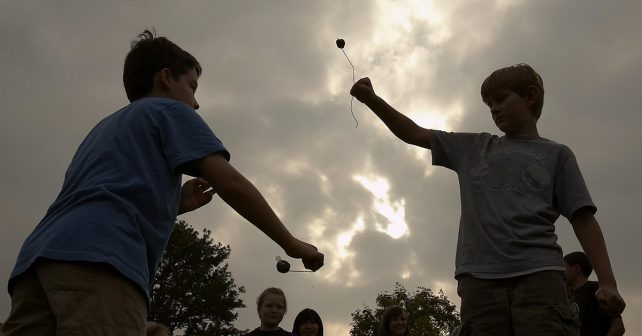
(353,81)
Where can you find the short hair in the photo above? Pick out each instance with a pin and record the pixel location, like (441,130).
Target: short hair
(147,56)
(271,290)
(579,258)
(389,314)
(304,316)
(518,78)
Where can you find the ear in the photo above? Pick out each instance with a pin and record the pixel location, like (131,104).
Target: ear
(576,269)
(162,78)
(531,95)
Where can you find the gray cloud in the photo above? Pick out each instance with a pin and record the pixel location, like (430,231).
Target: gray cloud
(269,92)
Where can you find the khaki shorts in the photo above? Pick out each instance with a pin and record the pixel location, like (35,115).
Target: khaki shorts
(533,304)
(75,298)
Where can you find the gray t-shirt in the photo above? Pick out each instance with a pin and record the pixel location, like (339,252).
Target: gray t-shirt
(512,191)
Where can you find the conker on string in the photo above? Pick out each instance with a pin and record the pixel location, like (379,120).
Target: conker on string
(341,43)
(283,266)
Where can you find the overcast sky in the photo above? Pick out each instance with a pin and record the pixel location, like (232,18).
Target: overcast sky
(275,91)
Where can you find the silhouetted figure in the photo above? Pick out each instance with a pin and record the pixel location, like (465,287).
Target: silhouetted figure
(394,322)
(87,267)
(594,321)
(513,188)
(307,323)
(271,306)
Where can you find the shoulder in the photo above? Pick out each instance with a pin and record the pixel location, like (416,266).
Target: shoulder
(467,137)
(461,134)
(588,289)
(555,146)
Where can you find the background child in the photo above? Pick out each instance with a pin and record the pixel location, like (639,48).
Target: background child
(271,306)
(593,320)
(513,188)
(307,323)
(394,322)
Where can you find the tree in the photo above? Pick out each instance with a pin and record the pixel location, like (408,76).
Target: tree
(428,314)
(193,290)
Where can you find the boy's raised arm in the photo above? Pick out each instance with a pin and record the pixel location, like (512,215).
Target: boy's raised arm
(247,201)
(400,125)
(590,236)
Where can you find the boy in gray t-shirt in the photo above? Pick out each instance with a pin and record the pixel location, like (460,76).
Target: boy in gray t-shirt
(513,188)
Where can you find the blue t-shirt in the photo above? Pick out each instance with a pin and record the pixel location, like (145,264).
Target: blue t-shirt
(119,200)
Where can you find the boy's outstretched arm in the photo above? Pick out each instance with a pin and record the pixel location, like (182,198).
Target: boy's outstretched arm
(590,236)
(242,196)
(400,125)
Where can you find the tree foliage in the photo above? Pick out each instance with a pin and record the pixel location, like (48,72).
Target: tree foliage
(428,314)
(193,290)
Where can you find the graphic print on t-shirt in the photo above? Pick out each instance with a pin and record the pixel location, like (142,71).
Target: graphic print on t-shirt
(511,170)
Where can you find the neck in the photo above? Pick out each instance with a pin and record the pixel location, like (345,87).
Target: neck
(268,327)
(525,134)
(528,130)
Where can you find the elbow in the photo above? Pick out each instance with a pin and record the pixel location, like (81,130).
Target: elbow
(231,185)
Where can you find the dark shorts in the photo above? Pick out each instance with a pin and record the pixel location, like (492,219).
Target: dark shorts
(533,304)
(75,298)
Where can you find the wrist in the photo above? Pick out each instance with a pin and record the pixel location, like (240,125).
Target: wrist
(606,280)
(291,246)
(371,100)
(608,284)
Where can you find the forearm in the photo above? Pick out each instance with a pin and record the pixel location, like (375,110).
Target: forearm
(617,327)
(247,201)
(400,125)
(590,236)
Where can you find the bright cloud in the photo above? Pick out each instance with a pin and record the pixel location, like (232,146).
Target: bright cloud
(393,211)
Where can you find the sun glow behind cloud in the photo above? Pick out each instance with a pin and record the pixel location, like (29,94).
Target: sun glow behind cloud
(398,55)
(394,226)
(399,52)
(393,212)
(402,41)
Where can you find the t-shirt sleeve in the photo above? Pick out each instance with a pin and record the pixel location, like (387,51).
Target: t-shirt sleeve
(186,137)
(449,148)
(571,193)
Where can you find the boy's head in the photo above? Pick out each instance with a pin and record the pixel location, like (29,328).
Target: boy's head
(578,261)
(519,78)
(150,54)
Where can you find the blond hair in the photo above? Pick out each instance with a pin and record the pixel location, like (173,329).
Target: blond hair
(271,290)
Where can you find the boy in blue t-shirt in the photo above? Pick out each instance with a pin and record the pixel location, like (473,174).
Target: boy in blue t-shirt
(87,267)
(513,188)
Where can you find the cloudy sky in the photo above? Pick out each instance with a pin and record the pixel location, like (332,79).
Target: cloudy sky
(275,90)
